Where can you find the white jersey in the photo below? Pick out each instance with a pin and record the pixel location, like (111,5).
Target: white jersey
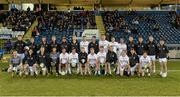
(105,44)
(144,61)
(85,45)
(73,58)
(114,45)
(102,57)
(64,58)
(92,58)
(123,60)
(122,47)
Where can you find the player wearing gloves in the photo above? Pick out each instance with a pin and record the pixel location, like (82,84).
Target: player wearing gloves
(92,63)
(74,60)
(123,64)
(145,65)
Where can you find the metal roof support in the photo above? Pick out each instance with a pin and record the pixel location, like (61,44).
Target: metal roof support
(130,2)
(69,1)
(161,1)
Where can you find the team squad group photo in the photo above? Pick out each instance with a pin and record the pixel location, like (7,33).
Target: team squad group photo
(97,57)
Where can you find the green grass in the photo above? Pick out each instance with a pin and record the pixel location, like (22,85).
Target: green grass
(92,85)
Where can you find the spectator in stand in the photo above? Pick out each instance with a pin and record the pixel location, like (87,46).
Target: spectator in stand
(19,20)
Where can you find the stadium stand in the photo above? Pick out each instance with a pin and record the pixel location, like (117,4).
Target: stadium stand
(17,22)
(63,24)
(156,23)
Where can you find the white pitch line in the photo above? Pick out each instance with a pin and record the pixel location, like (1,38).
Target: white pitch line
(172,70)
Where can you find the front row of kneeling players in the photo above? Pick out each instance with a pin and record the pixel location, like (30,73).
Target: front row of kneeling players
(101,63)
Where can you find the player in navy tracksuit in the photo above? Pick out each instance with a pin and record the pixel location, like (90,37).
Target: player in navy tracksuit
(43,61)
(141,47)
(64,45)
(74,44)
(29,62)
(131,44)
(94,44)
(33,46)
(44,44)
(19,47)
(53,44)
(111,60)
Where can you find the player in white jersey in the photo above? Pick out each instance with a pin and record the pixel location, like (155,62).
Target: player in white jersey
(63,62)
(103,42)
(114,44)
(92,62)
(123,64)
(74,60)
(101,55)
(84,43)
(121,47)
(145,64)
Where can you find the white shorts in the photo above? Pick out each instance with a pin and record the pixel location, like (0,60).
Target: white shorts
(162,60)
(15,68)
(144,66)
(92,65)
(31,69)
(153,57)
(133,68)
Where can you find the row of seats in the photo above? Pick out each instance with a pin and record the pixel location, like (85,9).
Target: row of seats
(146,20)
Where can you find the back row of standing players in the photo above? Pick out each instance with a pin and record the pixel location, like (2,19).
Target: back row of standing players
(89,57)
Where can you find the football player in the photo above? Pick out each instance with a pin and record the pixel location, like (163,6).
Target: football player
(163,54)
(101,55)
(152,51)
(74,60)
(82,60)
(75,44)
(114,44)
(103,42)
(29,62)
(123,64)
(84,43)
(92,63)
(140,46)
(93,44)
(43,61)
(19,46)
(63,63)
(111,60)
(54,60)
(145,64)
(15,64)
(133,62)
(121,47)
(131,44)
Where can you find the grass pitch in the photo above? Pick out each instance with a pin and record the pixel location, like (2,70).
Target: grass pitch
(92,85)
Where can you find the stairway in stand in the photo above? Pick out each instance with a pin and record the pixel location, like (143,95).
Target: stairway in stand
(100,25)
(29,32)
